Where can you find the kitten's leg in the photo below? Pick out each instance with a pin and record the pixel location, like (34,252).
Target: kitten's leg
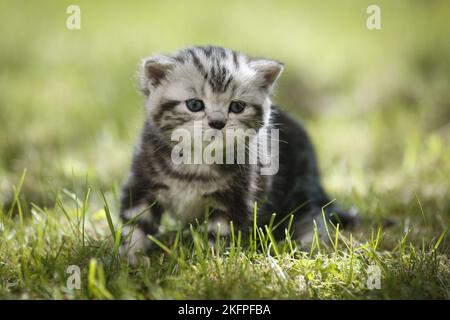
(321,218)
(233,209)
(141,217)
(140,221)
(306,225)
(219,221)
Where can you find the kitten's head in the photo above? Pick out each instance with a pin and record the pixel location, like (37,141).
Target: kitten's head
(218,87)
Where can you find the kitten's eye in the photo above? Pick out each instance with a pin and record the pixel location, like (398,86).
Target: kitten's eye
(237,106)
(195,105)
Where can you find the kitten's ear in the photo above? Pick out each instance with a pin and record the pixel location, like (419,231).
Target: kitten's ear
(153,70)
(267,71)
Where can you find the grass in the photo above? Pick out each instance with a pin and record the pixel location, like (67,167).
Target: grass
(376,104)
(36,254)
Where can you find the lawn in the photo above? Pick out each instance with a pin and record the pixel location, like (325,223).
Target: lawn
(376,104)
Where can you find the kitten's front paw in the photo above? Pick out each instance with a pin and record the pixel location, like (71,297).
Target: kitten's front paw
(308,227)
(346,219)
(306,230)
(135,244)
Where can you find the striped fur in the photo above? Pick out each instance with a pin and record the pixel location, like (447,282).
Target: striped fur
(217,76)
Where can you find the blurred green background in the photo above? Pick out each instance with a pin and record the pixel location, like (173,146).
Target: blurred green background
(377,103)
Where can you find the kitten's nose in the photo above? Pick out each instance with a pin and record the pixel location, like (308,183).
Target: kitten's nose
(216,124)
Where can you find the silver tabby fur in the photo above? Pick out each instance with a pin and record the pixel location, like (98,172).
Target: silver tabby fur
(217,76)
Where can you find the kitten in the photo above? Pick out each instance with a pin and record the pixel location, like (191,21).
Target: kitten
(219,89)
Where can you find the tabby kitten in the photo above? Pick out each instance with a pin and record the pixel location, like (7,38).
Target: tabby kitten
(220,89)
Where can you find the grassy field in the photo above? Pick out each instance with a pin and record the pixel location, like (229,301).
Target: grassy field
(376,103)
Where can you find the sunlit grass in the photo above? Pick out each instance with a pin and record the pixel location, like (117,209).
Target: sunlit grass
(36,253)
